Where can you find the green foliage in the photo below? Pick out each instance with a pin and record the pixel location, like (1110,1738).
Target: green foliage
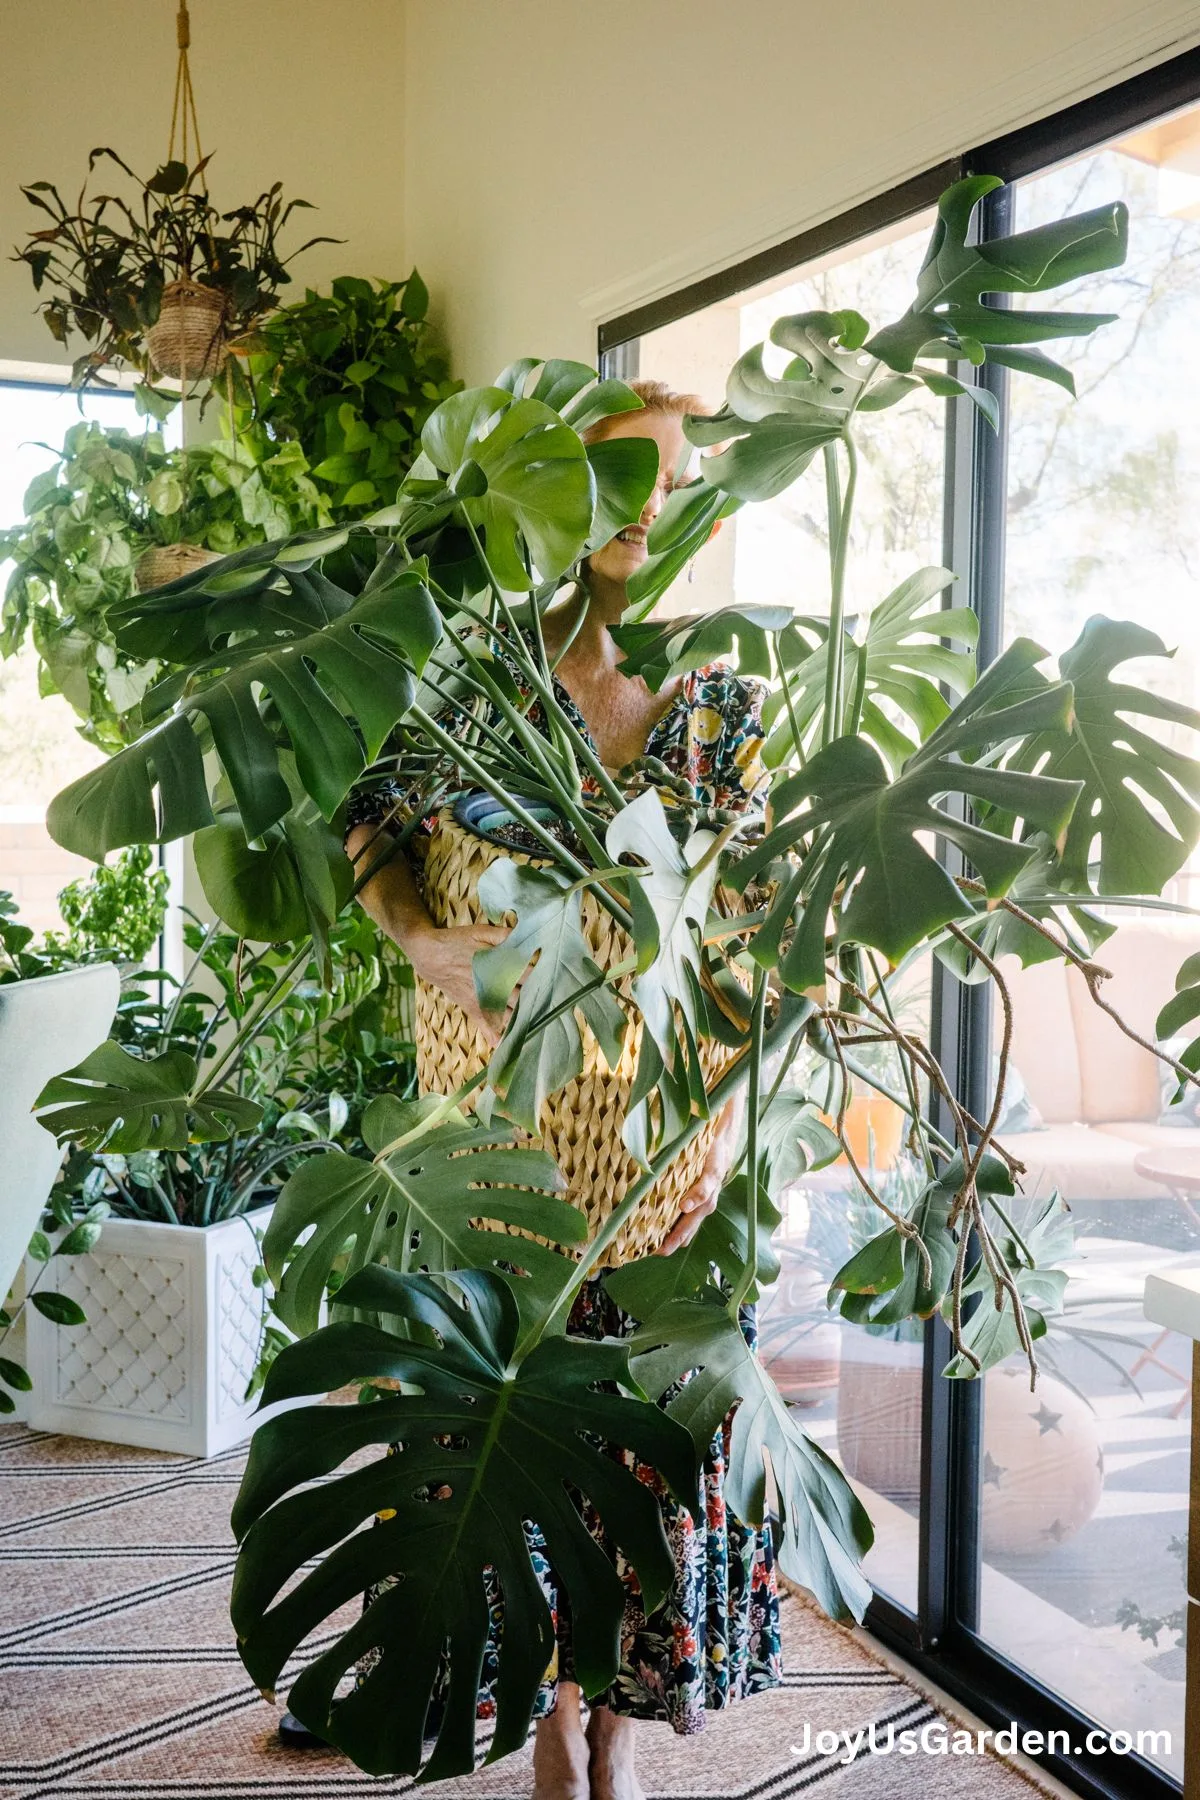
(539,1058)
(488,1443)
(103,266)
(109,496)
(907,802)
(115,914)
(350,377)
(115,1101)
(308,1063)
(1118,765)
(950,317)
(415,1206)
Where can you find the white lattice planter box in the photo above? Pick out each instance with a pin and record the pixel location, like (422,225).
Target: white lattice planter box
(171,1340)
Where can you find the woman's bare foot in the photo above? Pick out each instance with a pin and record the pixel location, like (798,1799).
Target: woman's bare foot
(611,1740)
(560,1751)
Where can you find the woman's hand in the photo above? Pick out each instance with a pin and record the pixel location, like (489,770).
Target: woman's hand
(442,955)
(701,1197)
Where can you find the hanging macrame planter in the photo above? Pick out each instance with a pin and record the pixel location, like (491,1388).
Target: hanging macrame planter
(167,562)
(187,343)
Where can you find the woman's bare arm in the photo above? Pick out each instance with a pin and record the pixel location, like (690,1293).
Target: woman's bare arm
(440,954)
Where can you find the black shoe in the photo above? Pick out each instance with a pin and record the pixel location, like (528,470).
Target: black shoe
(295,1736)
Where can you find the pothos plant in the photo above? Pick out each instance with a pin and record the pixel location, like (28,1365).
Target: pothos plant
(297,666)
(352,375)
(109,496)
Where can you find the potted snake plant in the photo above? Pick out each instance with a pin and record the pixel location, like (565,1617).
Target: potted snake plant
(297,666)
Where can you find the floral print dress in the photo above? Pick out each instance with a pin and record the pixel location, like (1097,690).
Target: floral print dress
(715,1638)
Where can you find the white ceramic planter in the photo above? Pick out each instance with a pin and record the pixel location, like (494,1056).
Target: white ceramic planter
(171,1340)
(46,1026)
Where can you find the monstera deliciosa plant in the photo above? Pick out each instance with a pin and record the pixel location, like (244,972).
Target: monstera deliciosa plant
(295,667)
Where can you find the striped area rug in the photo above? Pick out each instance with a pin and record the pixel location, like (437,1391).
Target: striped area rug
(119,1679)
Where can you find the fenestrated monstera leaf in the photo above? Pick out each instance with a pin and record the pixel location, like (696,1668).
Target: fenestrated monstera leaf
(659,650)
(1101,746)
(949,318)
(486,1444)
(778,423)
(865,826)
(418,1206)
(114,1101)
(909,647)
(521,475)
(823,1530)
(324,656)
(536,1058)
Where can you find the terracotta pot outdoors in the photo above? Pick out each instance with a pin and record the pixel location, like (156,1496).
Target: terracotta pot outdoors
(187,343)
(167,562)
(874,1130)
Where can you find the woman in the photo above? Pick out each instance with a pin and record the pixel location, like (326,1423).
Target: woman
(716,1637)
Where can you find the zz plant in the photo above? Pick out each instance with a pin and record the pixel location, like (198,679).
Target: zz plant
(297,666)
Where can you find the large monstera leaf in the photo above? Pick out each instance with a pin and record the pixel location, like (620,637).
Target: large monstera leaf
(864,828)
(542,1047)
(123,1103)
(1103,747)
(823,1531)
(486,1444)
(522,475)
(949,317)
(418,1206)
(325,657)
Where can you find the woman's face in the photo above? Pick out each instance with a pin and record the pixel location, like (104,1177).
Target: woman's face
(621,556)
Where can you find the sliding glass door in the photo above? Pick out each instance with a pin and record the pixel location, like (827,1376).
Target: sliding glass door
(1030,1545)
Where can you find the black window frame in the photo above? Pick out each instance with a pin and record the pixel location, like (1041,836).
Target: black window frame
(942,1638)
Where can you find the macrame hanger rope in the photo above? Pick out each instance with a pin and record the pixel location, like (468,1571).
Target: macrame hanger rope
(183,110)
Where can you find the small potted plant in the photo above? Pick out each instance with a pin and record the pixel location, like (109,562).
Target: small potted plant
(163,281)
(172,1313)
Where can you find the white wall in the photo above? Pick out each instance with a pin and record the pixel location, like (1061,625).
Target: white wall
(567,159)
(302,91)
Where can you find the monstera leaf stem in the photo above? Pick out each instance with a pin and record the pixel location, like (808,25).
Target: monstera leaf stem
(487,781)
(840,515)
(753,1171)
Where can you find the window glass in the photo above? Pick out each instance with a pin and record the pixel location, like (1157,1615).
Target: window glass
(40,746)
(1084,1484)
(858,1391)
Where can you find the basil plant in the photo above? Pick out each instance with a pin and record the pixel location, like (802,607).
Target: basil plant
(913,806)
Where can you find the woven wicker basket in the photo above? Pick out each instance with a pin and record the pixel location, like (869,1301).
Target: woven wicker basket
(167,562)
(581,1125)
(187,342)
